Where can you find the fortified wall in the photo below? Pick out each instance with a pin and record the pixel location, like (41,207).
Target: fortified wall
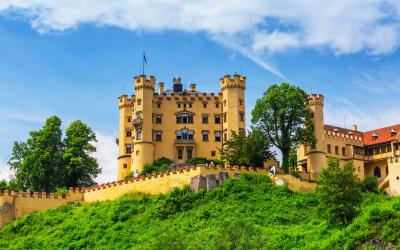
(14,205)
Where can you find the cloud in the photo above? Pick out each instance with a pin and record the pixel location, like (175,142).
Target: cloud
(254,28)
(106,155)
(5,172)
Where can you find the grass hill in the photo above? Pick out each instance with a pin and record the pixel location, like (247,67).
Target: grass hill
(245,213)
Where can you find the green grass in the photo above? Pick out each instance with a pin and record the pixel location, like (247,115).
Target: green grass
(245,213)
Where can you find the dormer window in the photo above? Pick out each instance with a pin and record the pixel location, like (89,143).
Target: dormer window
(336,130)
(393,131)
(374,136)
(350,133)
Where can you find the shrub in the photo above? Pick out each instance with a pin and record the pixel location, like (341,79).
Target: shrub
(369,184)
(160,165)
(339,193)
(61,191)
(195,161)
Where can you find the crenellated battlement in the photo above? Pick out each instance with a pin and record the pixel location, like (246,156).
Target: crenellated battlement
(237,81)
(141,82)
(338,135)
(315,99)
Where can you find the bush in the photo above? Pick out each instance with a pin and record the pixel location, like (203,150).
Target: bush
(160,165)
(195,161)
(339,193)
(369,184)
(61,191)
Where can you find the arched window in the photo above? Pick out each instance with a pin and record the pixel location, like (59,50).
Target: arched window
(180,154)
(189,153)
(377,172)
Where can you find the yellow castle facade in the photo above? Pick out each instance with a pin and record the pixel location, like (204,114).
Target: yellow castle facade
(373,153)
(176,123)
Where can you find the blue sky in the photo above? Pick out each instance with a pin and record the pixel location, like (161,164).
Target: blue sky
(73,59)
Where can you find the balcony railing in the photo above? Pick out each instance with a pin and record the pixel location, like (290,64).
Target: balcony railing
(185,141)
(137,122)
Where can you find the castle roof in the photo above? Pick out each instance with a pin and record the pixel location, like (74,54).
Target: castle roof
(381,135)
(371,137)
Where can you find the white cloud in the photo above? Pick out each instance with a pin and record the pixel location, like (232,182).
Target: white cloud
(106,155)
(253,27)
(5,172)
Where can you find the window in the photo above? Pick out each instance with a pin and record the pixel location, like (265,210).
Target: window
(312,115)
(190,105)
(225,135)
(241,116)
(217,135)
(128,133)
(138,134)
(337,150)
(128,148)
(205,135)
(343,150)
(139,115)
(183,118)
(129,118)
(189,153)
(137,152)
(213,153)
(180,154)
(204,105)
(217,119)
(184,134)
(377,172)
(217,104)
(240,102)
(224,115)
(157,136)
(179,105)
(184,105)
(205,119)
(158,105)
(125,165)
(139,101)
(329,148)
(158,119)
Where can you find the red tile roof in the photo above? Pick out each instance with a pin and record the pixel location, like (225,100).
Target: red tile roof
(384,135)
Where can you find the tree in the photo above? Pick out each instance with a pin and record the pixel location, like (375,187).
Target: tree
(293,158)
(249,150)
(339,193)
(80,168)
(38,161)
(282,115)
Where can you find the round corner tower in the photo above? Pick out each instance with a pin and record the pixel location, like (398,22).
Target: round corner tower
(143,146)
(316,156)
(233,104)
(124,142)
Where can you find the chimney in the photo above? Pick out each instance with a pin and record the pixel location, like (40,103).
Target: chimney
(354,127)
(160,87)
(192,87)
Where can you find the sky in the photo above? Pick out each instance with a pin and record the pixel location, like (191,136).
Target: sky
(74,58)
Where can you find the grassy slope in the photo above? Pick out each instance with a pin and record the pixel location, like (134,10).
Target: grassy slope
(242,213)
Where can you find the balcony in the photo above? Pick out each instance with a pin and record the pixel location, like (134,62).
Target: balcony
(137,122)
(185,141)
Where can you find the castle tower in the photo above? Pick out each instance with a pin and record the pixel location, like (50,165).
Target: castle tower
(143,146)
(233,106)
(125,139)
(316,156)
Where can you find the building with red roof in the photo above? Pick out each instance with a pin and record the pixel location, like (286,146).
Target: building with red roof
(373,153)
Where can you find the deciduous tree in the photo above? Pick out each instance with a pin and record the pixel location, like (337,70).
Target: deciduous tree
(281,114)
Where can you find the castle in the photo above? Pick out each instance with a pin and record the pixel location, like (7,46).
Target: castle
(373,153)
(178,124)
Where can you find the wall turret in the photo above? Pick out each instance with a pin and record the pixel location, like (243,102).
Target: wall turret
(233,106)
(143,146)
(316,156)
(124,140)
